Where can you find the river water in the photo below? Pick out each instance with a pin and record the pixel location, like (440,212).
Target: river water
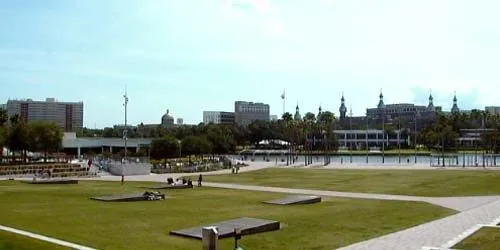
(435,160)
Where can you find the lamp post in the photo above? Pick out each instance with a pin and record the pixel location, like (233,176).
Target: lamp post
(366,137)
(125,131)
(124,135)
(350,132)
(399,139)
(415,132)
(383,135)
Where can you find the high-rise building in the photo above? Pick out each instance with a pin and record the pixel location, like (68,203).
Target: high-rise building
(493,110)
(67,115)
(248,112)
(218,117)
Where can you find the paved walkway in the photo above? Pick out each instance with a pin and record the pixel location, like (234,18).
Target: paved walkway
(455,203)
(433,234)
(45,238)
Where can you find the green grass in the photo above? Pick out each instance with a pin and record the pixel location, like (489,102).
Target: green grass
(10,241)
(487,238)
(66,212)
(432,182)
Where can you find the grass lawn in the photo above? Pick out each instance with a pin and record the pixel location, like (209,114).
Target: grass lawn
(487,238)
(66,212)
(432,182)
(10,241)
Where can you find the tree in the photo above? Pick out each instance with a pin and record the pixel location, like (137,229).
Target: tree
(3,117)
(309,116)
(18,137)
(196,145)
(45,137)
(221,138)
(165,147)
(287,117)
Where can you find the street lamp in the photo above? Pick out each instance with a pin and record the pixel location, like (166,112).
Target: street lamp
(383,135)
(350,128)
(124,136)
(415,132)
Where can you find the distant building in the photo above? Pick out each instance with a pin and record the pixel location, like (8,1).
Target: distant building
(297,116)
(370,138)
(167,120)
(273,118)
(493,110)
(248,112)
(3,106)
(180,121)
(218,117)
(67,115)
(401,110)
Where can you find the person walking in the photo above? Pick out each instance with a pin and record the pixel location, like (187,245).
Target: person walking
(200,178)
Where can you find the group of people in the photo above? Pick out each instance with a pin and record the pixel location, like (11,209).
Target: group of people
(183,181)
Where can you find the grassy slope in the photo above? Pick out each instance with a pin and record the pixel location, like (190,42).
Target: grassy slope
(65,212)
(10,241)
(432,182)
(485,239)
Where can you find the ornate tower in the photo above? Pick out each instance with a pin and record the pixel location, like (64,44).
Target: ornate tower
(297,116)
(455,109)
(342,109)
(431,103)
(381,104)
(320,112)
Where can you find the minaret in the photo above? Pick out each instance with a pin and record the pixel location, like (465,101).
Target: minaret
(320,112)
(381,104)
(297,113)
(431,103)
(342,109)
(455,109)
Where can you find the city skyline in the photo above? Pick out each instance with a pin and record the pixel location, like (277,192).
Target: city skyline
(190,58)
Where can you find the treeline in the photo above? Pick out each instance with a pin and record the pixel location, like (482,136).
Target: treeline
(445,131)
(20,137)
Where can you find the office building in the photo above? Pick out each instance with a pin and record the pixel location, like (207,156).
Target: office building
(3,106)
(248,112)
(493,110)
(218,117)
(67,115)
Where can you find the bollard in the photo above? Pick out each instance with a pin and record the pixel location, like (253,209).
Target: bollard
(210,236)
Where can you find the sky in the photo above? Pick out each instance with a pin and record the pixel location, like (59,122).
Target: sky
(193,55)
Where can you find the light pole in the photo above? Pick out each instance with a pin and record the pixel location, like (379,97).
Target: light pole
(383,135)
(399,139)
(366,137)
(415,132)
(350,132)
(125,129)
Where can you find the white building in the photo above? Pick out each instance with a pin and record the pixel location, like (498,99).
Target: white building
(493,110)
(218,117)
(370,137)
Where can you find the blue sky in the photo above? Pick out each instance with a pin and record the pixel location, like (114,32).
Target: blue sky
(195,55)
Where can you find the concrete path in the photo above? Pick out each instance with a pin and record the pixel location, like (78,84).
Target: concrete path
(455,203)
(436,233)
(45,238)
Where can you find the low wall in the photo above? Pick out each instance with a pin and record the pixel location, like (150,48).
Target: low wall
(130,169)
